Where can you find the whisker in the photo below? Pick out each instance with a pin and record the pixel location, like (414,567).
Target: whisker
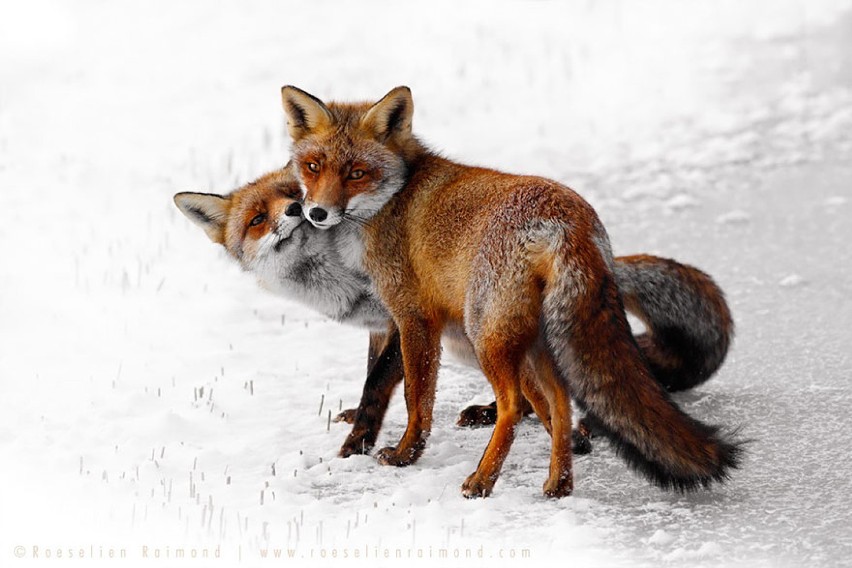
(356,220)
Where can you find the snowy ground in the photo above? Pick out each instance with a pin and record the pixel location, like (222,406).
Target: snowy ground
(152,396)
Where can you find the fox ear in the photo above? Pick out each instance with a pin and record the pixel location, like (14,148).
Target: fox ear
(391,115)
(207,210)
(305,113)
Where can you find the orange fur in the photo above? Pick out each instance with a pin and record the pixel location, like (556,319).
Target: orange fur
(521,263)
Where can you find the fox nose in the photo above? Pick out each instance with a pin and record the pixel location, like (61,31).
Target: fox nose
(294,209)
(318,214)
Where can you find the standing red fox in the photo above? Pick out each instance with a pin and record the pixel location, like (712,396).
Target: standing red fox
(260,225)
(521,263)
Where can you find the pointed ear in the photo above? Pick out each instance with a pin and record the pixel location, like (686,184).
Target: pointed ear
(391,115)
(305,113)
(207,210)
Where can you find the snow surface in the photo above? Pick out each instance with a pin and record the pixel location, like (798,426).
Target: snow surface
(152,395)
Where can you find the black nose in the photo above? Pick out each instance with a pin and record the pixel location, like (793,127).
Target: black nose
(294,209)
(318,214)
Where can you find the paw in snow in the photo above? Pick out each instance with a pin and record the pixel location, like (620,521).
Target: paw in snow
(357,446)
(475,486)
(397,457)
(478,415)
(559,486)
(581,440)
(347,416)
(359,441)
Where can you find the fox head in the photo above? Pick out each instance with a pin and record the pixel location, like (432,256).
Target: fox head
(258,224)
(350,157)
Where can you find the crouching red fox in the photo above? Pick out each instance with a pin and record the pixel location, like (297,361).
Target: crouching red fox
(521,264)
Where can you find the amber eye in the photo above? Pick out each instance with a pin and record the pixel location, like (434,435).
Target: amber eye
(257,220)
(313,166)
(356,174)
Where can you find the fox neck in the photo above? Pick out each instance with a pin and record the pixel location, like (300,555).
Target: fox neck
(349,237)
(412,150)
(418,162)
(414,156)
(348,242)
(313,272)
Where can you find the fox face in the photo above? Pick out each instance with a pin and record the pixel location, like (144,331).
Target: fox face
(257,224)
(350,158)
(261,226)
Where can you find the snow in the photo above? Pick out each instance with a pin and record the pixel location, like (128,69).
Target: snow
(737,216)
(151,395)
(792,280)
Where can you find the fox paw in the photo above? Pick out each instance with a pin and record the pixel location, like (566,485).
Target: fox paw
(475,487)
(395,457)
(354,448)
(347,416)
(582,444)
(475,415)
(560,487)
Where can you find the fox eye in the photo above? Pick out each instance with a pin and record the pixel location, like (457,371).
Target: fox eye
(356,174)
(313,166)
(257,220)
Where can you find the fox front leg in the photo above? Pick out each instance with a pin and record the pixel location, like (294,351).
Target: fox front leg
(384,366)
(378,342)
(420,342)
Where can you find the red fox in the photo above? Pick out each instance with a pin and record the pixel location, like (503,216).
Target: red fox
(688,326)
(521,264)
(688,322)
(261,226)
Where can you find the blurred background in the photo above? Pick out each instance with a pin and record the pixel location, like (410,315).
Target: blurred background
(150,392)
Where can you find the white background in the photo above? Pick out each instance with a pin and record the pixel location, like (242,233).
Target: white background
(713,132)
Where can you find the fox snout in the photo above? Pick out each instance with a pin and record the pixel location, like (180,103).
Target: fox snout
(318,214)
(291,219)
(294,210)
(322,216)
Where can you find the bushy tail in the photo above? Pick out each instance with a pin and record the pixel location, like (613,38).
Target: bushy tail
(689,325)
(586,330)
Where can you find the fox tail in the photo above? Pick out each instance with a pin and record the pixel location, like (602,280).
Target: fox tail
(689,325)
(586,331)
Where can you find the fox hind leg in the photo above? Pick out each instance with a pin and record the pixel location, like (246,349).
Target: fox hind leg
(534,396)
(502,368)
(476,416)
(560,481)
